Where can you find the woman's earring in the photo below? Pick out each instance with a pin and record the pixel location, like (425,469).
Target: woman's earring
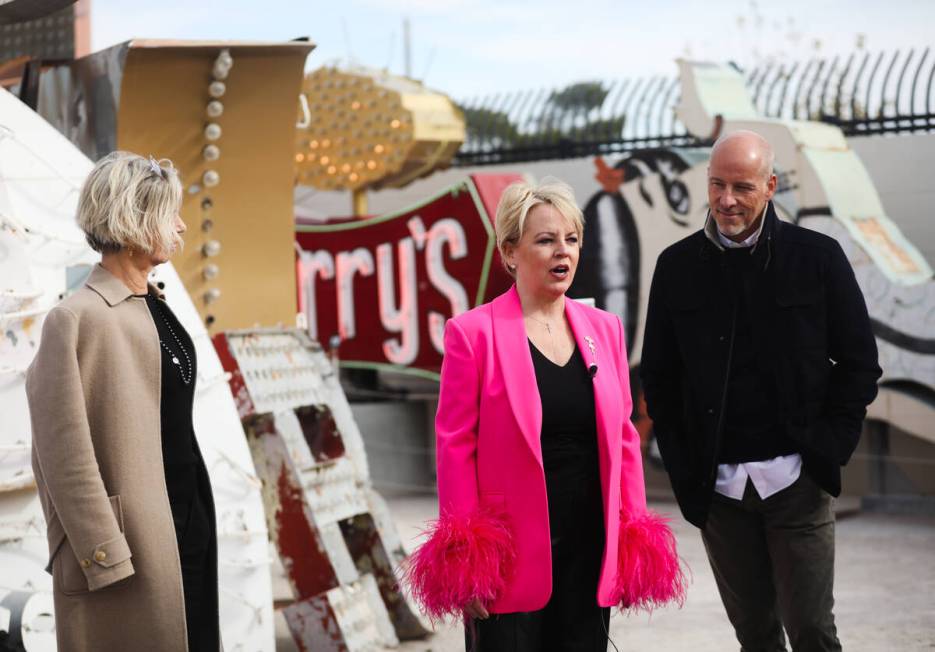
(512,267)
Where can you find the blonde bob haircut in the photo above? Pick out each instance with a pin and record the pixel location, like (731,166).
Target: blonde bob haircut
(130,202)
(519,198)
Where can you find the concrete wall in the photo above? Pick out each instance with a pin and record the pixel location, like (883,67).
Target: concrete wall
(889,461)
(399,438)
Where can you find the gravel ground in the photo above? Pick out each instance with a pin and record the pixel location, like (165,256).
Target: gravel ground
(884,588)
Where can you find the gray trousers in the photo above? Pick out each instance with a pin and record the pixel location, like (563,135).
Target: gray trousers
(773,561)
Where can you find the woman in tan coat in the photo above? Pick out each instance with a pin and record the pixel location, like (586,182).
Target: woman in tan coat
(126,495)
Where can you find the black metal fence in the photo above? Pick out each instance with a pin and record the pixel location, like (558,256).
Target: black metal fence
(863,93)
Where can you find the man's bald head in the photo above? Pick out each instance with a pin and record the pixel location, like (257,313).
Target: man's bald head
(747,145)
(740,183)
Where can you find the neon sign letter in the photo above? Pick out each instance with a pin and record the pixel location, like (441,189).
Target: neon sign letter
(445,231)
(402,319)
(358,261)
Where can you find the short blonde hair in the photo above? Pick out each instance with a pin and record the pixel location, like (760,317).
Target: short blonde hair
(129,201)
(519,198)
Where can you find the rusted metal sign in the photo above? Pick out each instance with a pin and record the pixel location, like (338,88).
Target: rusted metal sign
(334,536)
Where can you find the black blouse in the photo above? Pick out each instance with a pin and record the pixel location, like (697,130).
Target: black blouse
(569,443)
(178,397)
(569,426)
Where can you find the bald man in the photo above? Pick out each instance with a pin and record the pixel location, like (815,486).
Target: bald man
(758,365)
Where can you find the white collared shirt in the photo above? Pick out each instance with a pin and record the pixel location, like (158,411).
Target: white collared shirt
(727,243)
(768,476)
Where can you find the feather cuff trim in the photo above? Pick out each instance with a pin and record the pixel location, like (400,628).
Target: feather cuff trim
(465,557)
(648,571)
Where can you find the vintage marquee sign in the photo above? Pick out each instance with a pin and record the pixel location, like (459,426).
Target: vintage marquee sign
(386,285)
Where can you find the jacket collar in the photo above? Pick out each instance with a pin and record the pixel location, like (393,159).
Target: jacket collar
(111,288)
(711,233)
(519,375)
(766,240)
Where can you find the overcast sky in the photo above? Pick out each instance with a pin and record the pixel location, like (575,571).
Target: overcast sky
(468,48)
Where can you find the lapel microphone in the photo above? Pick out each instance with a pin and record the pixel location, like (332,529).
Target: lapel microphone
(592,368)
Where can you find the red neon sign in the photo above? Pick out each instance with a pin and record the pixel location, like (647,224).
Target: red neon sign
(386,285)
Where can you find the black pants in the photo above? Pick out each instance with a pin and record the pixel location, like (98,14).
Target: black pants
(773,561)
(571,621)
(193,533)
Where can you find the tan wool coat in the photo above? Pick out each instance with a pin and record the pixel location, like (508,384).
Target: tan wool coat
(94,398)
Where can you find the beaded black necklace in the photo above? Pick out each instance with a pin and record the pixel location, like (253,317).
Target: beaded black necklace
(184,371)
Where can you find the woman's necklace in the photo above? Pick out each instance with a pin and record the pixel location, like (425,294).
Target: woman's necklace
(548,329)
(186,375)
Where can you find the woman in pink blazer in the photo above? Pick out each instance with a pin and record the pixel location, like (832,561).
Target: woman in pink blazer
(542,521)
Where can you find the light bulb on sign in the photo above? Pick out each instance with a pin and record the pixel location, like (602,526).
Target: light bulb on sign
(211,248)
(211,152)
(212,295)
(223,65)
(210,178)
(214,109)
(216,89)
(225,58)
(212,131)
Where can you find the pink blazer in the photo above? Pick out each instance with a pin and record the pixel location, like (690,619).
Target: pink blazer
(491,540)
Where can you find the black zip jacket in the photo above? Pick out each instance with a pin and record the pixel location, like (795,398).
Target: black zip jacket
(810,330)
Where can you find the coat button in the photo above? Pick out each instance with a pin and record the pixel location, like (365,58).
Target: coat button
(86,563)
(710,410)
(100,555)
(721,338)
